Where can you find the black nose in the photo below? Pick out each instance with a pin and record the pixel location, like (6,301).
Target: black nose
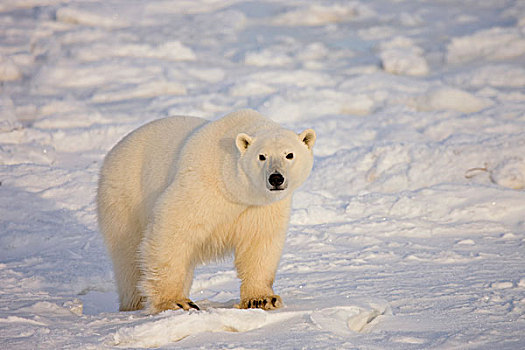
(276,179)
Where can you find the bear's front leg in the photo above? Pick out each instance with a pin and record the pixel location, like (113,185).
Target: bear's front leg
(269,302)
(256,267)
(258,253)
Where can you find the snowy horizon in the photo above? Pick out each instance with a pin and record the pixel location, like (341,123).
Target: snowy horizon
(409,233)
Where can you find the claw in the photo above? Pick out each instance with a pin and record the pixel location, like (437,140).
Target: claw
(193,305)
(266,303)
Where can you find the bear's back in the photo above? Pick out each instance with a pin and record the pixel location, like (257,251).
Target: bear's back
(139,166)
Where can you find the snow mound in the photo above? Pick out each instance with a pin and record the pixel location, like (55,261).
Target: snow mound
(510,173)
(451,99)
(187,7)
(79,16)
(316,14)
(251,88)
(345,320)
(406,61)
(51,79)
(310,104)
(171,51)
(18,154)
(267,58)
(492,44)
(500,75)
(178,325)
(401,56)
(8,122)
(147,90)
(8,69)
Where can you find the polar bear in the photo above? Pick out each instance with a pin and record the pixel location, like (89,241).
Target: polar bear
(181,191)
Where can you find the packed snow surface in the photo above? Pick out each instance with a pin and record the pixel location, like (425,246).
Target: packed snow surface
(409,233)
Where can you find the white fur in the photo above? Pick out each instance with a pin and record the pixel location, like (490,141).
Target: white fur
(181,191)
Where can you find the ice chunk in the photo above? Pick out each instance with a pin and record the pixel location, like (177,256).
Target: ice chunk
(451,99)
(344,320)
(491,44)
(84,17)
(315,15)
(401,56)
(510,173)
(8,69)
(178,325)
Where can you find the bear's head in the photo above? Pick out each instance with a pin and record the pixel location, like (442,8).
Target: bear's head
(276,162)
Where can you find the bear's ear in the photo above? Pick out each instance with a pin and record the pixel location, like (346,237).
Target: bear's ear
(242,141)
(308,137)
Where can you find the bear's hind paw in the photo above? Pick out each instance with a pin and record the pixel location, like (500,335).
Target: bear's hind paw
(266,303)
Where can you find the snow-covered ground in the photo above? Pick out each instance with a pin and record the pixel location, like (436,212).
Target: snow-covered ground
(409,234)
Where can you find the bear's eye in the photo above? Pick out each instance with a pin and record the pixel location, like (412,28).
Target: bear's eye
(262,157)
(289,156)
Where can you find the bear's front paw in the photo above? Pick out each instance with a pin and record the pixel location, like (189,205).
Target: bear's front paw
(266,303)
(185,304)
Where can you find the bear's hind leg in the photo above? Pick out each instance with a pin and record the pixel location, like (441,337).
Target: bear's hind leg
(127,276)
(122,234)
